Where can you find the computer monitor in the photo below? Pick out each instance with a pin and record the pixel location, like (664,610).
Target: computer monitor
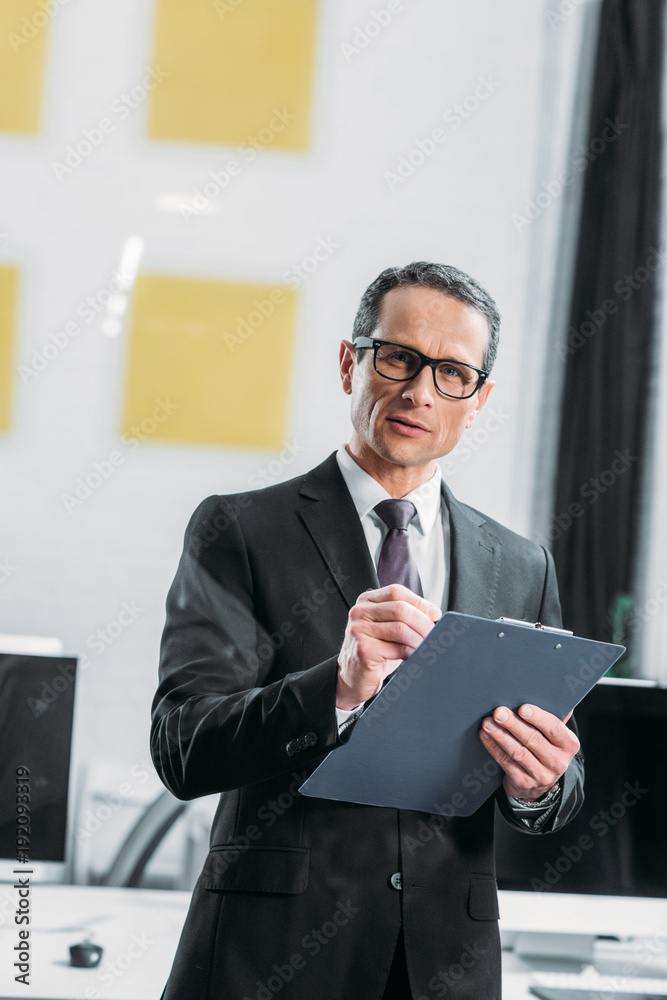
(616,846)
(36,711)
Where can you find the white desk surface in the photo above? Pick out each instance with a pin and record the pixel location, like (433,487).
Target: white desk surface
(554,912)
(138,929)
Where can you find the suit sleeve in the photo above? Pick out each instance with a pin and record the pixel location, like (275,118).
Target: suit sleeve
(572,794)
(216,722)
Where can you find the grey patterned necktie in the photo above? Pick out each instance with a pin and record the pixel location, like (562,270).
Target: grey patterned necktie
(396,564)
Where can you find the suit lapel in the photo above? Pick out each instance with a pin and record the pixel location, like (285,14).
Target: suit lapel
(331,520)
(475,561)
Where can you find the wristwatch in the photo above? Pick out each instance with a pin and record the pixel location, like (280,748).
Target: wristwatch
(544,800)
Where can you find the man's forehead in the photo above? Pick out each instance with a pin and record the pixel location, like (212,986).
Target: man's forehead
(419,297)
(414,310)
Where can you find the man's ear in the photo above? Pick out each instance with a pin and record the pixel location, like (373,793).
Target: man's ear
(480,399)
(347,360)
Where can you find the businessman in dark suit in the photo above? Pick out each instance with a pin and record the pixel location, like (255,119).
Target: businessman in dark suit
(290,608)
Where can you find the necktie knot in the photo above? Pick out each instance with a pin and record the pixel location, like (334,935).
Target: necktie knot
(396,514)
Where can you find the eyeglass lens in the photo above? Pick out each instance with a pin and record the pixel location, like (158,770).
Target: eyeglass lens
(452,378)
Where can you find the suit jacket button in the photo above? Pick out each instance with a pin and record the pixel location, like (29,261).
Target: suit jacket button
(396,881)
(291,748)
(311,739)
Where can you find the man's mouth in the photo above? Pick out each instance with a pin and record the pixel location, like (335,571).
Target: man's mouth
(407,426)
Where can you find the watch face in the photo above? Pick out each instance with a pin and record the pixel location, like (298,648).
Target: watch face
(544,799)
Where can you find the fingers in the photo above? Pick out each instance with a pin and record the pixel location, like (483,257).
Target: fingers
(544,737)
(397,592)
(400,612)
(533,754)
(555,731)
(527,776)
(384,628)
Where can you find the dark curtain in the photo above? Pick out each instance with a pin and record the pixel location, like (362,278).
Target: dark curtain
(609,351)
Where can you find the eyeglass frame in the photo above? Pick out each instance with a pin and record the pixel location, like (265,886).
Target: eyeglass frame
(365,343)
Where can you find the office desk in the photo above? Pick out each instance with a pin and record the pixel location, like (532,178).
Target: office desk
(557,932)
(138,929)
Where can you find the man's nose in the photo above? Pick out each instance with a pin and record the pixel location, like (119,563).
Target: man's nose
(421,389)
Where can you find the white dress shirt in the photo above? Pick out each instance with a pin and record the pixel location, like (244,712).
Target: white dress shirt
(428,532)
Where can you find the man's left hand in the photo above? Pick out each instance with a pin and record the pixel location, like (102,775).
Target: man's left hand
(533,748)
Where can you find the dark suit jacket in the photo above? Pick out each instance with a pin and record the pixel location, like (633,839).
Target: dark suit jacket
(295,895)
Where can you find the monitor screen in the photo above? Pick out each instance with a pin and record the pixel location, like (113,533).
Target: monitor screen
(616,845)
(36,709)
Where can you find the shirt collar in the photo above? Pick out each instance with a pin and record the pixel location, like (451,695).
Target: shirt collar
(366,492)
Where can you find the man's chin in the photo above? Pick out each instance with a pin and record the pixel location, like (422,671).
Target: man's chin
(407,455)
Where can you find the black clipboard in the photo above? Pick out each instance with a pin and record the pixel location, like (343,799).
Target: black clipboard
(416,745)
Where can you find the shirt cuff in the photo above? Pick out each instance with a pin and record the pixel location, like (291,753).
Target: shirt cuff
(535,814)
(344,717)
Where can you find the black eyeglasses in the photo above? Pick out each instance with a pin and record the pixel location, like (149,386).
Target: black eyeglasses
(455,379)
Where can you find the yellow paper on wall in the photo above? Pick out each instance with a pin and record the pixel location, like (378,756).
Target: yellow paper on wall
(239,71)
(23,37)
(9,283)
(209,362)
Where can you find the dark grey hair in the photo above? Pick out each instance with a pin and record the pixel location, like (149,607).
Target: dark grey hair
(442,277)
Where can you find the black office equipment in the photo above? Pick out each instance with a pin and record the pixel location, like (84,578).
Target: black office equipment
(617,844)
(36,710)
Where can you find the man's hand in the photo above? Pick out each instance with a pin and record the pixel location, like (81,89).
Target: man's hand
(533,748)
(383,628)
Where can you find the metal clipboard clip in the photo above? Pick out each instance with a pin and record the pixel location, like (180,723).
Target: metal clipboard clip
(545,628)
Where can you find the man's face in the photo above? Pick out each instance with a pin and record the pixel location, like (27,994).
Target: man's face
(411,423)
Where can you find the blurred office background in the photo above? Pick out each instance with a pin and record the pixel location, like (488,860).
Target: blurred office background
(194,197)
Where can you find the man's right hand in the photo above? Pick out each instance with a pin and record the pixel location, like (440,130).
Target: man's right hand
(383,628)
